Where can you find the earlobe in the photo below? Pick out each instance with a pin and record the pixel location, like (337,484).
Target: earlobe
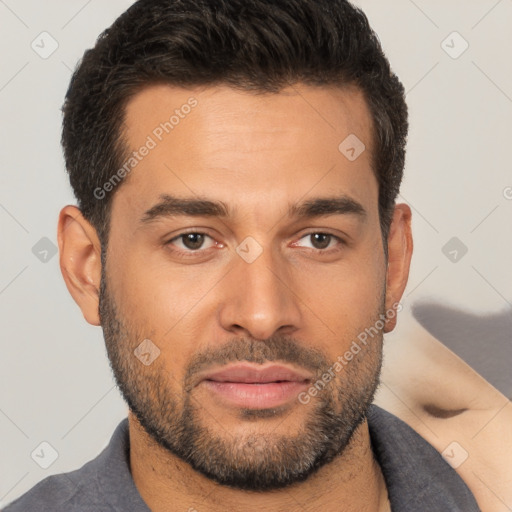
(400,248)
(80,261)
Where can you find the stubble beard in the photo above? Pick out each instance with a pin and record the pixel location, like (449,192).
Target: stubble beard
(175,420)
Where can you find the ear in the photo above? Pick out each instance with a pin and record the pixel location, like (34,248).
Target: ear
(400,247)
(80,261)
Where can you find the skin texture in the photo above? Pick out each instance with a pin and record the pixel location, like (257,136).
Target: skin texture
(257,154)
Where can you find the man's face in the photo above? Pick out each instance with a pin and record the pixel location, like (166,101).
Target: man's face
(262,287)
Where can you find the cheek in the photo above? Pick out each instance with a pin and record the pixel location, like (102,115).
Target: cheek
(172,307)
(354,284)
(155,293)
(345,298)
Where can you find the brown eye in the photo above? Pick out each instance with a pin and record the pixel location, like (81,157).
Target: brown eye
(193,240)
(321,243)
(320,240)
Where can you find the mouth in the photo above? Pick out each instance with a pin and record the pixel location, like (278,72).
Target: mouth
(256,387)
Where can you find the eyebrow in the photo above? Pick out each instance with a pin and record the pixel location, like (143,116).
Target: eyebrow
(318,207)
(171,206)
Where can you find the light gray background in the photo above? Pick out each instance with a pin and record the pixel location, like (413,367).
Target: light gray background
(56,384)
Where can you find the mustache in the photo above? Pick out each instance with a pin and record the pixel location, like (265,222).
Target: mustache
(278,348)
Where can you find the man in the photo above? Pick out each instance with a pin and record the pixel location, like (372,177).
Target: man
(236,166)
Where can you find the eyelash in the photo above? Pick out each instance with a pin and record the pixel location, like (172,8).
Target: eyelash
(180,253)
(193,253)
(341,243)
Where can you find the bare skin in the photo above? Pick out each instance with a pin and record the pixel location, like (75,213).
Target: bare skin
(445,400)
(257,155)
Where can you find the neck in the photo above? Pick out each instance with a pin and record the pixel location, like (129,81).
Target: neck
(166,483)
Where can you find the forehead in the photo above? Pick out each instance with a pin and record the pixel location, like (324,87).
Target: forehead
(246,147)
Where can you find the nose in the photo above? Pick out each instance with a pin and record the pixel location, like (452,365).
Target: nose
(258,298)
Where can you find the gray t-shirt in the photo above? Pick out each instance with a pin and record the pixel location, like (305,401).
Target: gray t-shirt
(417,477)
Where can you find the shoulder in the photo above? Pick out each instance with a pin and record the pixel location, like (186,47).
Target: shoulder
(452,407)
(99,485)
(61,493)
(417,476)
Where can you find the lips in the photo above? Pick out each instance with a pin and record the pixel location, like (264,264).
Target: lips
(252,375)
(254,387)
